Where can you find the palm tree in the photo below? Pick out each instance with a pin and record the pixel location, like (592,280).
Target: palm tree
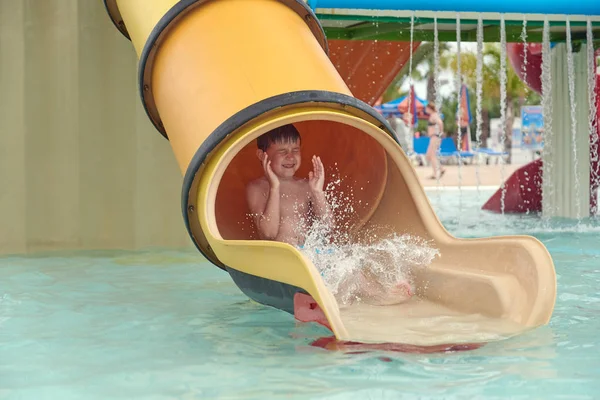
(517,91)
(423,56)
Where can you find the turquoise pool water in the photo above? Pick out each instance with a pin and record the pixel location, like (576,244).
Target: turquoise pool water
(163,324)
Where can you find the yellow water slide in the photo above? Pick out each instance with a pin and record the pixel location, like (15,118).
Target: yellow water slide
(216,74)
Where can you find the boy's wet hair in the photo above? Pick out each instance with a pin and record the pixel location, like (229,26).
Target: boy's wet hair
(283,134)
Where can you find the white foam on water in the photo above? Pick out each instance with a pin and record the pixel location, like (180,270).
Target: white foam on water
(369,264)
(352,271)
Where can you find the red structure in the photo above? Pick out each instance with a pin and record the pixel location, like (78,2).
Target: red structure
(369,66)
(532,75)
(522,191)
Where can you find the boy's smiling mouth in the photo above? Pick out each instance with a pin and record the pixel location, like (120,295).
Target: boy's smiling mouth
(292,165)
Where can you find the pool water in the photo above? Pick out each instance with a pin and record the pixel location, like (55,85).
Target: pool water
(164,324)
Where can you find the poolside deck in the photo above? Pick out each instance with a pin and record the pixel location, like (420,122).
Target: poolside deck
(467,175)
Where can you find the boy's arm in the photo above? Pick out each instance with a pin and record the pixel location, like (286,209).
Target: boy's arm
(319,203)
(265,211)
(321,207)
(316,183)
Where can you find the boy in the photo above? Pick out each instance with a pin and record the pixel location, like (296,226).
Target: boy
(282,206)
(280,203)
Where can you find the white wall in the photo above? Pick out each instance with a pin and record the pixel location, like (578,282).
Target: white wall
(80,164)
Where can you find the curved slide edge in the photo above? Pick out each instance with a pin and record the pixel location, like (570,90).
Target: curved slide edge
(506,294)
(191,79)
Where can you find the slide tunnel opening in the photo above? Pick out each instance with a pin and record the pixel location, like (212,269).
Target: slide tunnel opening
(364,151)
(360,177)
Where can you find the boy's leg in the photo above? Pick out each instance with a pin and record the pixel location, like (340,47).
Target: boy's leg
(372,291)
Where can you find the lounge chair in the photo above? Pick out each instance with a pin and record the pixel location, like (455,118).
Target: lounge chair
(448,150)
(420,146)
(488,153)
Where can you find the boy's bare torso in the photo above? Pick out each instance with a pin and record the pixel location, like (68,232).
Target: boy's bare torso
(294,208)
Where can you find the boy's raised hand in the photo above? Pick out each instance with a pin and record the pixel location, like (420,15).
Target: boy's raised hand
(316,177)
(273,179)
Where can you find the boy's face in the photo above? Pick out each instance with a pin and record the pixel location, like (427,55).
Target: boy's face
(285,158)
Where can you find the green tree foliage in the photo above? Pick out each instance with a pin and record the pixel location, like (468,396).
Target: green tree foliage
(517,92)
(423,69)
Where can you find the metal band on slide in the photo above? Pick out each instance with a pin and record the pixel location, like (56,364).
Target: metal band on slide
(167,21)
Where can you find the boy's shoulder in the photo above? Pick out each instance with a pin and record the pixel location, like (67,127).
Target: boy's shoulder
(259,183)
(301,181)
(262,183)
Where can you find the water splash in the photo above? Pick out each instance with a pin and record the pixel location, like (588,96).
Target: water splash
(410,59)
(571,82)
(459,109)
(479,94)
(547,167)
(437,83)
(523,38)
(358,272)
(502,108)
(436,65)
(593,117)
(409,129)
(366,266)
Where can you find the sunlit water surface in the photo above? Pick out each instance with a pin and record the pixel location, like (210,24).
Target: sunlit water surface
(163,324)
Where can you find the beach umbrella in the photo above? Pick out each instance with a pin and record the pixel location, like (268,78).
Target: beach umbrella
(391,107)
(401,104)
(416,104)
